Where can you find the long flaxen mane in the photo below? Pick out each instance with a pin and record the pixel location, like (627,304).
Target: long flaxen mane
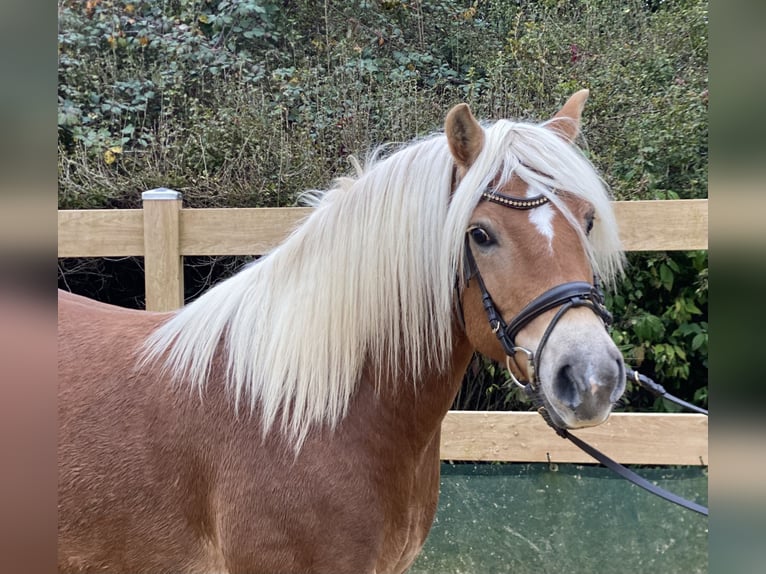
(367,280)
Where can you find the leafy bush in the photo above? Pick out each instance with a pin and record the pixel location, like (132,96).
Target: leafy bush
(661,326)
(250,102)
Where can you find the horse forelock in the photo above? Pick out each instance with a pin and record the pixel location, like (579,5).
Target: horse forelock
(549,165)
(364,284)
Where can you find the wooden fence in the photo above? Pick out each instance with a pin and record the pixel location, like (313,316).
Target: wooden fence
(163,233)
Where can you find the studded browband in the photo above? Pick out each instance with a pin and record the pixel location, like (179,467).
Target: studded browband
(515,202)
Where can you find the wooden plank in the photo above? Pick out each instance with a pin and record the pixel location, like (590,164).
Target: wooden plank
(644,226)
(233,231)
(100,232)
(677,225)
(629,438)
(163,264)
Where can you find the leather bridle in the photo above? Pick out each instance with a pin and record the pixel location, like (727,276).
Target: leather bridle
(566,296)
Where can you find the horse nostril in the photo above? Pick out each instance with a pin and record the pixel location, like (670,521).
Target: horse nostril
(565,387)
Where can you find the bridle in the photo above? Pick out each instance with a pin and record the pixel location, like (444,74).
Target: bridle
(566,296)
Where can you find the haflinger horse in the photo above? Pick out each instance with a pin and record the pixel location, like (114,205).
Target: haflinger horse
(288,420)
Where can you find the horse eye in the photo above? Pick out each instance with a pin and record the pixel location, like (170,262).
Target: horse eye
(480,236)
(589,224)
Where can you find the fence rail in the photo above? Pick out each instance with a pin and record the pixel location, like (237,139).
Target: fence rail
(163,232)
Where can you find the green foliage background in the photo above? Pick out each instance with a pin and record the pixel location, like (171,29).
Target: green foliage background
(250,102)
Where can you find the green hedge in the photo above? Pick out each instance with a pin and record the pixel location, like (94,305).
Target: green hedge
(248,103)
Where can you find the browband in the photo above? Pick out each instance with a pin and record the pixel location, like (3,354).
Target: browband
(515,202)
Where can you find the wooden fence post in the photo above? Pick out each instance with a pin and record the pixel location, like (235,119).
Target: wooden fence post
(163,264)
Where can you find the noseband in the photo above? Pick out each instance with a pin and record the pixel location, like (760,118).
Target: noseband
(565,296)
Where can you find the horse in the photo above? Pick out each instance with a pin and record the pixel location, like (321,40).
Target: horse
(288,419)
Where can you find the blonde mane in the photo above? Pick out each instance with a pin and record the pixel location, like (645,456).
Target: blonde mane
(367,281)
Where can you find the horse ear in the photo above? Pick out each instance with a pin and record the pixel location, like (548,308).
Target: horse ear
(566,122)
(464,136)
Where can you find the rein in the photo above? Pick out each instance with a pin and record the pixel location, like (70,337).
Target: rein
(565,296)
(612,464)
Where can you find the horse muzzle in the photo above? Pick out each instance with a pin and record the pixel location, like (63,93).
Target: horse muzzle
(581,376)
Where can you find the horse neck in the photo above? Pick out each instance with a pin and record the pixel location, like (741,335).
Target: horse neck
(413,410)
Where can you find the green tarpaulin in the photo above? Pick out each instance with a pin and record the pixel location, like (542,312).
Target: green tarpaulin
(527,518)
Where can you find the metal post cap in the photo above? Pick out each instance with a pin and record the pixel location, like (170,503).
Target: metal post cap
(162,194)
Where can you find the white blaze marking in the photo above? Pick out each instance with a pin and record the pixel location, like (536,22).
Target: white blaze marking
(542,218)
